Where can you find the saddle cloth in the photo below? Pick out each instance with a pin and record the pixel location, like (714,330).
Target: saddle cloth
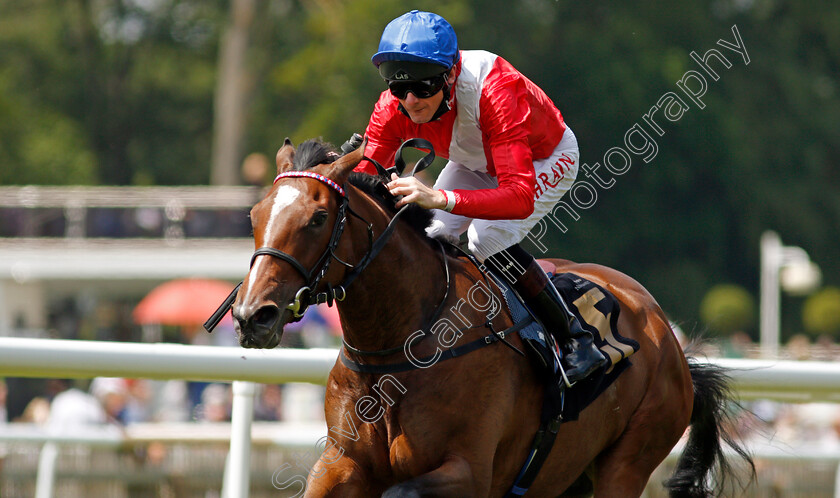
(596,310)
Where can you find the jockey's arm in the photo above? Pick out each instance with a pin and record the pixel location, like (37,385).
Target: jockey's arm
(383,138)
(513,199)
(382,155)
(504,124)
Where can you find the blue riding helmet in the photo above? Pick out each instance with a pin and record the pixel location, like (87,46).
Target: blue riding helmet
(417,37)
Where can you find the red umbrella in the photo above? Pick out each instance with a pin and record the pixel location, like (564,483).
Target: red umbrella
(186,301)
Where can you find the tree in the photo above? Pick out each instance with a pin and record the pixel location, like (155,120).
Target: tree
(728,308)
(231,94)
(821,313)
(117,92)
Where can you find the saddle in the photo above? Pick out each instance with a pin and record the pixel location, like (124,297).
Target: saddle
(596,310)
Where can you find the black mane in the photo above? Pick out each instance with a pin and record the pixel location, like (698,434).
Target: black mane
(314,152)
(417,217)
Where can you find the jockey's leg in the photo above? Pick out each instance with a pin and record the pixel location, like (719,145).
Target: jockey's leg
(497,243)
(522,271)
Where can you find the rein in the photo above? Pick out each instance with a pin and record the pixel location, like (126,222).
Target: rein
(306,296)
(414,363)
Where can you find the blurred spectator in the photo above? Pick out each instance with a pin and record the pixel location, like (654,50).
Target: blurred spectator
(825,349)
(224,335)
(21,391)
(112,394)
(215,404)
(71,410)
(809,423)
(170,401)
(302,402)
(737,345)
(256,169)
(195,393)
(798,347)
(269,403)
(138,406)
(149,220)
(37,411)
(72,407)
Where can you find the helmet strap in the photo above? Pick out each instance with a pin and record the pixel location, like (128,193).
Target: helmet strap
(444,104)
(442,108)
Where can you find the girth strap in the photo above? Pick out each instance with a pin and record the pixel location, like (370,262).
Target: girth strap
(550,420)
(435,358)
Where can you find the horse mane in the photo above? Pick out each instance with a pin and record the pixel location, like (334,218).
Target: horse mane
(374,185)
(312,153)
(315,151)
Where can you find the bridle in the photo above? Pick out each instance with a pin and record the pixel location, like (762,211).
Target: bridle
(306,296)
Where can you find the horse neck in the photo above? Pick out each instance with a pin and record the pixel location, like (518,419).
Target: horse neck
(403,284)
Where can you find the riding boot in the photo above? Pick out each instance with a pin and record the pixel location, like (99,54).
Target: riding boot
(581,357)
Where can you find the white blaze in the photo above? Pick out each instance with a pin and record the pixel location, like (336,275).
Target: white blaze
(285,196)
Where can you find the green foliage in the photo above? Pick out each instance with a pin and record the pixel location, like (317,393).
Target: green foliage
(117,92)
(728,308)
(112,88)
(821,312)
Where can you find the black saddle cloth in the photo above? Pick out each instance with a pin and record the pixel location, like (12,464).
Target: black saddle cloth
(596,310)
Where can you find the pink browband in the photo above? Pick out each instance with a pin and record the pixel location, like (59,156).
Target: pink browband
(316,176)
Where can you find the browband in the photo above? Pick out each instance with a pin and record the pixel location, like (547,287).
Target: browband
(316,176)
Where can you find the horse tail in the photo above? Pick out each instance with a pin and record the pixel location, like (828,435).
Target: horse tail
(710,423)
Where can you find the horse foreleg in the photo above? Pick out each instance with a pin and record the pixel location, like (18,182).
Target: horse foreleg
(453,478)
(339,478)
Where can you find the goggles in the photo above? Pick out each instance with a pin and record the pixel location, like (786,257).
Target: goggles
(421,89)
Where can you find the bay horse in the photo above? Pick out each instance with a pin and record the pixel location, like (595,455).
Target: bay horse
(462,427)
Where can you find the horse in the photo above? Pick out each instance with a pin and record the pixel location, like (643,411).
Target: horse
(461,427)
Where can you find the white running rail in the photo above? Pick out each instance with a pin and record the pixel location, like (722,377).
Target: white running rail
(790,381)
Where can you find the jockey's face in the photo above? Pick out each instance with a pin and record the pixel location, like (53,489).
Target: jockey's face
(422,110)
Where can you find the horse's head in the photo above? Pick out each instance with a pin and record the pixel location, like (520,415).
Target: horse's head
(296,227)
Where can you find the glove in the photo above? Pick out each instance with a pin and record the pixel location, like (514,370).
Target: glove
(352,144)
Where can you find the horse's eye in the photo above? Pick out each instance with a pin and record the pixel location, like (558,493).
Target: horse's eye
(318,219)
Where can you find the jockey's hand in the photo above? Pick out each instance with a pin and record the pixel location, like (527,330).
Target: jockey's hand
(415,191)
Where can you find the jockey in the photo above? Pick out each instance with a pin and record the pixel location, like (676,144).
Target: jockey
(511,158)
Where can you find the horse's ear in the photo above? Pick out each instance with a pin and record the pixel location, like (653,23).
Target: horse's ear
(285,156)
(344,165)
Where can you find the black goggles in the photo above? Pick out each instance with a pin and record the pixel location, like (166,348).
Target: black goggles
(421,89)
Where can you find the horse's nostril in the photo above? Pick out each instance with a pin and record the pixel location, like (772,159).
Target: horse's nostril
(267,316)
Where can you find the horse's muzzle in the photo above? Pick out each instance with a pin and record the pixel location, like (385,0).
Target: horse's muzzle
(259,329)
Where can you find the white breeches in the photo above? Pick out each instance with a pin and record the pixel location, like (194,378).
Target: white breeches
(554,177)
